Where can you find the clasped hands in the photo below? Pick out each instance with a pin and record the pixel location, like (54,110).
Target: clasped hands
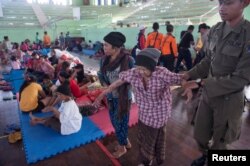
(188,86)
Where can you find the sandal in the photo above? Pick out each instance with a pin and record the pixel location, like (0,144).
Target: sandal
(120,152)
(14,137)
(128,146)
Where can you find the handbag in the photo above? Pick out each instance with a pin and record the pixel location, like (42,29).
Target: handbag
(154,42)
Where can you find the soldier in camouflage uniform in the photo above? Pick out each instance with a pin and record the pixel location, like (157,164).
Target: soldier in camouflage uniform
(223,73)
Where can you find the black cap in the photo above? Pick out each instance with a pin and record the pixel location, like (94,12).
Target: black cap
(115,39)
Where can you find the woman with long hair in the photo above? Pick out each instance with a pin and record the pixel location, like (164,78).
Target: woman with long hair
(117,59)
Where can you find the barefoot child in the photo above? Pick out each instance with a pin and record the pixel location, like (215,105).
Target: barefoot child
(67,119)
(151,86)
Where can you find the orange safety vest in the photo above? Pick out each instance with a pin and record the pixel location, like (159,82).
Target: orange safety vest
(153,41)
(169,45)
(46,40)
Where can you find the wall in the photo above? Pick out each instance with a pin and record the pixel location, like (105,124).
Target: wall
(18,35)
(77,2)
(95,34)
(247,13)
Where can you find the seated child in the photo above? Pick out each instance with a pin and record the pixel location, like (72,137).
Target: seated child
(15,63)
(67,119)
(47,84)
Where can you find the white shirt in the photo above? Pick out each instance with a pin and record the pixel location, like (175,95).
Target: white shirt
(70,118)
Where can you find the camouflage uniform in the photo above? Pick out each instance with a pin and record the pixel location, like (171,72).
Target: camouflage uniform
(225,70)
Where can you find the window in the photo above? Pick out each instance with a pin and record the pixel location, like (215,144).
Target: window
(53,2)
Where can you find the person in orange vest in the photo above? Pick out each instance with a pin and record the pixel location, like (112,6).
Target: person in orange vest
(168,49)
(141,42)
(46,40)
(154,38)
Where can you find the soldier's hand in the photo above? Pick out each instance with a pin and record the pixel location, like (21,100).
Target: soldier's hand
(190,85)
(185,76)
(189,94)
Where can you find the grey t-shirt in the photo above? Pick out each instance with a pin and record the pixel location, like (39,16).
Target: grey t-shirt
(113,76)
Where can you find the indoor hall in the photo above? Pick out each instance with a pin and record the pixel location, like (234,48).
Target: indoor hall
(78,33)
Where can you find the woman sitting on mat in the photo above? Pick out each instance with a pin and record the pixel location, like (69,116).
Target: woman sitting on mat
(67,119)
(32,96)
(76,90)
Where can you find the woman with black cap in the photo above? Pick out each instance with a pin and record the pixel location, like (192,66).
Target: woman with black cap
(117,59)
(151,86)
(67,119)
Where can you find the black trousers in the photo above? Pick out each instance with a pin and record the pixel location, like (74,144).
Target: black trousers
(185,54)
(167,61)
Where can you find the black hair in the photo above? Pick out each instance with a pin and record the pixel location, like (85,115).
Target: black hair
(26,83)
(15,45)
(190,27)
(13,58)
(33,53)
(46,76)
(170,28)
(156,26)
(65,65)
(80,74)
(64,74)
(64,88)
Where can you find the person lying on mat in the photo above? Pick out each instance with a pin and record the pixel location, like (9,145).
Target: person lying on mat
(31,95)
(67,119)
(151,86)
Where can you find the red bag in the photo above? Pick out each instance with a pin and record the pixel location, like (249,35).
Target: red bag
(83,100)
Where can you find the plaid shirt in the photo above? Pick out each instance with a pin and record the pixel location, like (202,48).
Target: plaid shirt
(155,103)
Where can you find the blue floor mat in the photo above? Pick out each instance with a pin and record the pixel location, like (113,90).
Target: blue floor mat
(16,84)
(16,77)
(17,74)
(41,142)
(88,52)
(6,77)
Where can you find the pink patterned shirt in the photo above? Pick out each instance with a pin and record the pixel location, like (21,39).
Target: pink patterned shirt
(155,103)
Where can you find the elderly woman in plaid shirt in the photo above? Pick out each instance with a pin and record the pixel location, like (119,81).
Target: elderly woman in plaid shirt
(151,85)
